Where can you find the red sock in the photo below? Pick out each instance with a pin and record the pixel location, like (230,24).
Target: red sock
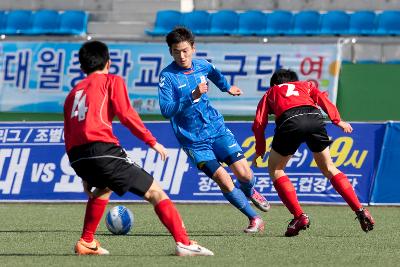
(95,208)
(345,189)
(170,217)
(287,194)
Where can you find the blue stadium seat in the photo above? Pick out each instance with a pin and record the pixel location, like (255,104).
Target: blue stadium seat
(335,22)
(197,21)
(45,21)
(362,22)
(166,20)
(18,22)
(252,22)
(393,61)
(306,22)
(73,22)
(3,17)
(346,61)
(368,61)
(279,22)
(389,23)
(224,22)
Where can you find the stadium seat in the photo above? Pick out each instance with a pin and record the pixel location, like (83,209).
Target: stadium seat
(2,21)
(279,22)
(389,23)
(197,21)
(166,20)
(362,23)
(73,22)
(335,22)
(306,22)
(18,22)
(252,22)
(393,61)
(224,22)
(368,61)
(45,22)
(346,61)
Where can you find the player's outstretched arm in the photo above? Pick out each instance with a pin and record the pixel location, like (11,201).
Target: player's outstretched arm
(235,91)
(346,127)
(160,149)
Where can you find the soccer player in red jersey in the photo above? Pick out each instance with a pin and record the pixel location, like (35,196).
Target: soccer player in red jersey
(298,119)
(96,156)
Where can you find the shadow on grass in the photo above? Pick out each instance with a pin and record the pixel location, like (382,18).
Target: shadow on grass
(74,255)
(205,233)
(143,234)
(34,254)
(38,231)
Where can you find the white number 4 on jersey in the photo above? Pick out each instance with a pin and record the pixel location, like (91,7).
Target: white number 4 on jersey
(78,108)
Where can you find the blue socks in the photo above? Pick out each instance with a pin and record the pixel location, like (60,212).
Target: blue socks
(247,187)
(239,200)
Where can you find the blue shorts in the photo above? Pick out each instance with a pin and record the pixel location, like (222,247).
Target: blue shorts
(218,148)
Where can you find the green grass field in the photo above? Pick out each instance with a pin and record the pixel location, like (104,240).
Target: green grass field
(44,235)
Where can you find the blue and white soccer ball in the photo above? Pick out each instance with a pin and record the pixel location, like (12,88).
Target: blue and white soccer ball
(119,220)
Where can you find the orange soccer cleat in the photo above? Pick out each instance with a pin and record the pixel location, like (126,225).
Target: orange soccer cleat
(84,248)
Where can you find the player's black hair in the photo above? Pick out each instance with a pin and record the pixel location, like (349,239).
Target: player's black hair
(93,55)
(178,35)
(283,76)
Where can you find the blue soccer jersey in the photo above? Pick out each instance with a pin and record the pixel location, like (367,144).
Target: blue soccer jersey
(192,121)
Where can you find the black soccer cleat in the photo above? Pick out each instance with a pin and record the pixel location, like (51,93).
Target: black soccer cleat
(297,224)
(366,221)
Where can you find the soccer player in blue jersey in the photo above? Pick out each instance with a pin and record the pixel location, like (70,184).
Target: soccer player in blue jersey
(200,128)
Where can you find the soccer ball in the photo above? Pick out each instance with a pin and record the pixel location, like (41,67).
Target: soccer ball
(119,220)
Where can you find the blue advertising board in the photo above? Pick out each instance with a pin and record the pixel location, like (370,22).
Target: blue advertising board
(35,167)
(387,179)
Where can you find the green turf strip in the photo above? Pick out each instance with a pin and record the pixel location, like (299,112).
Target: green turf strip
(44,235)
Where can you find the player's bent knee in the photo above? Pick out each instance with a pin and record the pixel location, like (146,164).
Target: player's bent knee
(243,172)
(155,193)
(209,167)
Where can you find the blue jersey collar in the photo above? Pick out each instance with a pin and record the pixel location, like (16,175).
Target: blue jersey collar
(184,70)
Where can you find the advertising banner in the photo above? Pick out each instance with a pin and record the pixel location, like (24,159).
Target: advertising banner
(387,180)
(36,76)
(35,167)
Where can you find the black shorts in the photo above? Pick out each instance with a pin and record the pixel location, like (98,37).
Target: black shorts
(298,125)
(104,165)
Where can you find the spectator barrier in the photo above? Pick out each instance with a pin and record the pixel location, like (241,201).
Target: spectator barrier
(36,76)
(387,179)
(34,166)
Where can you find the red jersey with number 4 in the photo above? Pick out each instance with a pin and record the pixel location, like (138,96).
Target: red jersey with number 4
(90,107)
(282,97)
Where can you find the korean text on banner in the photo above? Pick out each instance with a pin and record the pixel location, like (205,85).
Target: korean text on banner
(36,76)
(35,167)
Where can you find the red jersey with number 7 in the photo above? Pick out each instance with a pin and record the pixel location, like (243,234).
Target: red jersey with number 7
(282,97)
(91,106)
